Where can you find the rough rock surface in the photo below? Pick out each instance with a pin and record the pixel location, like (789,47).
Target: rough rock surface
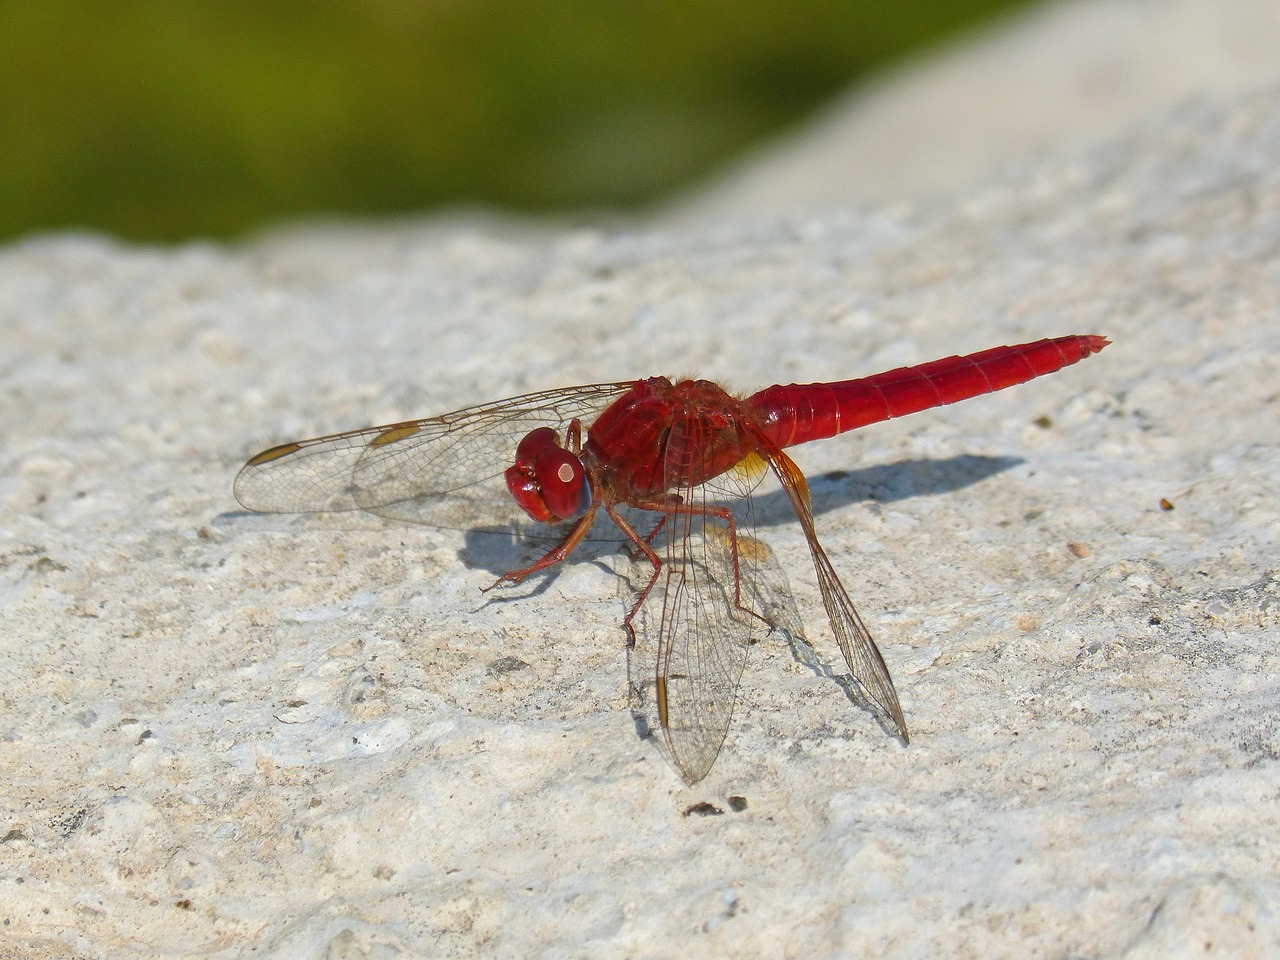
(230,735)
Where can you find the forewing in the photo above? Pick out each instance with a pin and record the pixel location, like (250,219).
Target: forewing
(694,629)
(860,651)
(445,471)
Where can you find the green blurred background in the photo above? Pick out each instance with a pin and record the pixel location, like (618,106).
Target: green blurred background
(159,120)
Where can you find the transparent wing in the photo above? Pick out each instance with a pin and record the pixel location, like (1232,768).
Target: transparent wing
(445,471)
(860,651)
(695,627)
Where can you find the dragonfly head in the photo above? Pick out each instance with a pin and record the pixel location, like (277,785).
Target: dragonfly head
(547,481)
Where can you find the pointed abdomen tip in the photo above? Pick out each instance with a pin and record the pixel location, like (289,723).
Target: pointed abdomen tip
(1093,344)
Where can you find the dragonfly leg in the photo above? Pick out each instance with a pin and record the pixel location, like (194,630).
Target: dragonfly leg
(674,504)
(657,527)
(555,555)
(725,514)
(643,548)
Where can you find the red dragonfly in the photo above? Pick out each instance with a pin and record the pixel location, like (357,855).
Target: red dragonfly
(686,454)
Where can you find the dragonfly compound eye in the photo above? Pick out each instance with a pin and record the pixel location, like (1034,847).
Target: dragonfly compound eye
(547,481)
(563,481)
(534,442)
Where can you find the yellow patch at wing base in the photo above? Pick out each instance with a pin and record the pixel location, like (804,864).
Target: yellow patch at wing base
(749,469)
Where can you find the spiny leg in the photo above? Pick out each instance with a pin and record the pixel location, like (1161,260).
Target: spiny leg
(668,506)
(643,548)
(556,554)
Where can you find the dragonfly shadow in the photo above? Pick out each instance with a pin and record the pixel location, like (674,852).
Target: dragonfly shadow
(884,483)
(229,517)
(501,549)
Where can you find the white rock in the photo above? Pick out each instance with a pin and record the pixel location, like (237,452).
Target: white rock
(228,735)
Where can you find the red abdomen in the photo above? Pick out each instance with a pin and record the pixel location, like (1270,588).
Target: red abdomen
(798,413)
